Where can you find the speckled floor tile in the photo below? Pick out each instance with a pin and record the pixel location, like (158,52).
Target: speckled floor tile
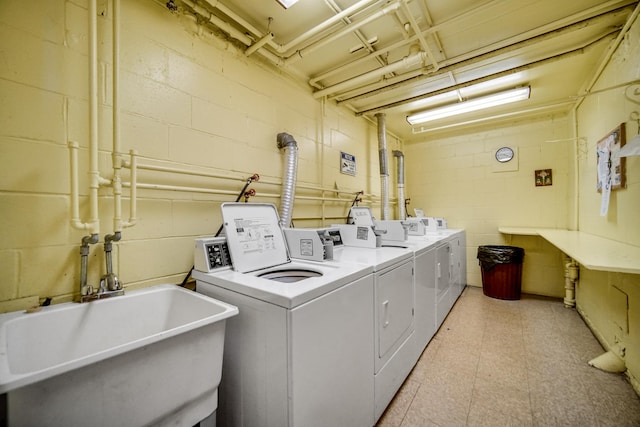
(512,363)
(397,409)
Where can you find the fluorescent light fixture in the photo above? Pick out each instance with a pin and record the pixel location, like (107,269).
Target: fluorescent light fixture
(287,3)
(476,104)
(469,91)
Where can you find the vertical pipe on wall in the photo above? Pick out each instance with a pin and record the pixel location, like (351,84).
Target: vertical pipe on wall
(133,191)
(384,170)
(400,156)
(93,224)
(75,205)
(575,164)
(115,155)
(323,106)
(94,173)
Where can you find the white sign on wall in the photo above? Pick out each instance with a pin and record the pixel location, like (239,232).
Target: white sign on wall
(347,163)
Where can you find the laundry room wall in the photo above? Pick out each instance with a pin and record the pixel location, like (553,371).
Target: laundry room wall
(455,175)
(609,301)
(189,100)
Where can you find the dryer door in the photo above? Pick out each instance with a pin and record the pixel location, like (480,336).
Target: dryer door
(394,309)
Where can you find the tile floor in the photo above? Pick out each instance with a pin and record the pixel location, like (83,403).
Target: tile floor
(512,363)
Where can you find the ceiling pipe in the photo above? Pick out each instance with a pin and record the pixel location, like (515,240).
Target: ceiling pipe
(322,26)
(257,45)
(513,43)
(221,24)
(545,61)
(404,63)
(361,37)
(398,45)
(314,81)
(397,78)
(418,32)
(300,53)
(427,15)
(285,48)
(454,64)
(609,54)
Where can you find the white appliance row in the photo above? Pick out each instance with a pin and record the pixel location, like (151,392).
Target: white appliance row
(299,351)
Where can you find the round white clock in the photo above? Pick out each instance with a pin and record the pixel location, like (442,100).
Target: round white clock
(504,154)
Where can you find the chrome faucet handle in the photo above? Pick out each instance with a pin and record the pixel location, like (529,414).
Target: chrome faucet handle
(111,283)
(103,285)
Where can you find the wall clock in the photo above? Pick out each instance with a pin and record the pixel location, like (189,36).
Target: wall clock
(504,154)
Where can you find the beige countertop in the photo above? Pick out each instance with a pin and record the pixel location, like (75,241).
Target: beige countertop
(591,251)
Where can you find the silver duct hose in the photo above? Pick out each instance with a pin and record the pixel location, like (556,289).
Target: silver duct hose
(287,142)
(384,170)
(400,156)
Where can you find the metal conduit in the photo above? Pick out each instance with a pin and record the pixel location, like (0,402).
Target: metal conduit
(384,170)
(400,156)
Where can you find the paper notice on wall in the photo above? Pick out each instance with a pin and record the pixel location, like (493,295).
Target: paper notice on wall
(604,178)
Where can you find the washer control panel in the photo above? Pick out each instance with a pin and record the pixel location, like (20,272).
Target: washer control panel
(211,253)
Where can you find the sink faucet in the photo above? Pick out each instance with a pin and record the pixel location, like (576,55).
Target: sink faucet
(109,283)
(84,256)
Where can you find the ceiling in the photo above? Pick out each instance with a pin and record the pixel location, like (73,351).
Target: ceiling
(394,56)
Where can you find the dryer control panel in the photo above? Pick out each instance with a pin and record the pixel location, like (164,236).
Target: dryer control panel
(211,253)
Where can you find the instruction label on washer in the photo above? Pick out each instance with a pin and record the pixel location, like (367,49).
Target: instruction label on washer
(306,247)
(255,234)
(362,233)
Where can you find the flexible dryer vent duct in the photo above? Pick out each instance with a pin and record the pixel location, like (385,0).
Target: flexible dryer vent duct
(384,170)
(398,154)
(287,142)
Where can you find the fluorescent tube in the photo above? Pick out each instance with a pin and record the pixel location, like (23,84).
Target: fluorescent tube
(476,104)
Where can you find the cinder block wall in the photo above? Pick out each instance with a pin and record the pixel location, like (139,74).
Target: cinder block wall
(189,100)
(456,176)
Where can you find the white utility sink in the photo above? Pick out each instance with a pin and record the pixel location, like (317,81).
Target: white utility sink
(149,357)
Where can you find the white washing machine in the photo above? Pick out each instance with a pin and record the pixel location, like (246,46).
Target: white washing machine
(299,351)
(394,353)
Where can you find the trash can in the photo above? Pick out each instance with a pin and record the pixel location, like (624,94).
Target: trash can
(501,271)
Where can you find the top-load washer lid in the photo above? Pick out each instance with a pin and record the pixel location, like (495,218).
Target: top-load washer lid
(254,236)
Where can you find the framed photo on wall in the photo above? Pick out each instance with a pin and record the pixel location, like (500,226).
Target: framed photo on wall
(610,164)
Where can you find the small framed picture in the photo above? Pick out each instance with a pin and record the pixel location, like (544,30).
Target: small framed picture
(543,177)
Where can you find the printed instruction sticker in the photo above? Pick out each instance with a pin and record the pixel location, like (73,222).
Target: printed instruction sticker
(347,163)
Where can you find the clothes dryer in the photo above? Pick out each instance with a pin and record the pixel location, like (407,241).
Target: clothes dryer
(394,353)
(424,255)
(450,268)
(299,351)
